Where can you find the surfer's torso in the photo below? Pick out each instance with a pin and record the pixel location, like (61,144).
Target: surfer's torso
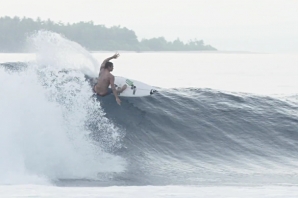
(103,82)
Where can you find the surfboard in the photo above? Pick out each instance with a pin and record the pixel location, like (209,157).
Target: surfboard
(134,88)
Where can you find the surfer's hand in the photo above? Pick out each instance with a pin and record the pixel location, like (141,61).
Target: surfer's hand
(116,55)
(118,101)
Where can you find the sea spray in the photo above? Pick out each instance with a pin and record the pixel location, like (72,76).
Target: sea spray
(44,112)
(55,50)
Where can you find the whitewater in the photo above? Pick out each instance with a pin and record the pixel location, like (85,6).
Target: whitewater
(223,124)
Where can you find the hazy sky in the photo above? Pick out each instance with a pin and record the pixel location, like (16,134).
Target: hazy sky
(234,25)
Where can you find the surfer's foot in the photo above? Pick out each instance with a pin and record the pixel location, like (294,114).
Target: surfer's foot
(120,90)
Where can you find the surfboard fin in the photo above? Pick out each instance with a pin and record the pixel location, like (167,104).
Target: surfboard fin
(153,91)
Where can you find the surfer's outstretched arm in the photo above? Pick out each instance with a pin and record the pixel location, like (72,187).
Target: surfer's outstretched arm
(108,59)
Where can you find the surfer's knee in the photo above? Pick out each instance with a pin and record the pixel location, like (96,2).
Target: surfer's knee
(121,89)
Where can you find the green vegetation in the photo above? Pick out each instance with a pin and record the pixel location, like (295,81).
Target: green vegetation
(14,31)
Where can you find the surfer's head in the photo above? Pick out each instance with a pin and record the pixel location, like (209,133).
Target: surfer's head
(109,66)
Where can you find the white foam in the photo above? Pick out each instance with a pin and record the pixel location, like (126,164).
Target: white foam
(43,115)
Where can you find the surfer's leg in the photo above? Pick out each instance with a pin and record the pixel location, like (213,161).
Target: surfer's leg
(120,90)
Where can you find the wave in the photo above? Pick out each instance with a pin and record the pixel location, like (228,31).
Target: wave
(55,130)
(178,135)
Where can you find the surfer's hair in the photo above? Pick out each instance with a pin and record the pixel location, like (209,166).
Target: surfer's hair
(108,64)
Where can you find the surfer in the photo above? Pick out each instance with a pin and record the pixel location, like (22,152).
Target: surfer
(105,78)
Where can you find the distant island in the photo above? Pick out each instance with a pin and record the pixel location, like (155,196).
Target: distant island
(14,31)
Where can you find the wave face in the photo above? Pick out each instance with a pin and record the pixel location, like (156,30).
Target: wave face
(204,136)
(56,130)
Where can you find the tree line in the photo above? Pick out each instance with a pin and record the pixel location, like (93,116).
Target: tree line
(14,32)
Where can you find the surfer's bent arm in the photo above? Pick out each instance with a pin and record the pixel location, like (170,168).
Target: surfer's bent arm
(108,59)
(112,82)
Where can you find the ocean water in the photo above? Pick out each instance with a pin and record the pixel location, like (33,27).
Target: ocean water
(223,124)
